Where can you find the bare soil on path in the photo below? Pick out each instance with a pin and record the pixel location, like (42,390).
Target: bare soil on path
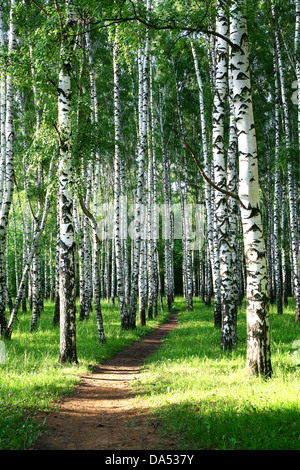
(103,412)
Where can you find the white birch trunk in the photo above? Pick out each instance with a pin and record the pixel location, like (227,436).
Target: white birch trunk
(96,271)
(2,108)
(208,209)
(94,120)
(51,280)
(153,195)
(87,255)
(143,109)
(228,305)
(79,231)
(150,180)
(290,173)
(15,246)
(124,231)
(57,245)
(297,56)
(67,233)
(9,161)
(232,186)
(277,194)
(186,241)
(258,328)
(31,252)
(120,272)
(166,207)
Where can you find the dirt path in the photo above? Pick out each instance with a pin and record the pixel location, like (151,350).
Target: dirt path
(103,413)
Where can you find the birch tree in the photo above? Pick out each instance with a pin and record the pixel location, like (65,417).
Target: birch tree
(290,173)
(277,191)
(210,264)
(297,56)
(143,109)
(2,104)
(186,231)
(9,159)
(117,240)
(39,228)
(258,327)
(224,251)
(68,352)
(152,203)
(166,206)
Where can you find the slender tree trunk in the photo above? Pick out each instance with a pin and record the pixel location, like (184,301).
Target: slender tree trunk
(186,241)
(3,320)
(2,108)
(51,280)
(143,109)
(57,245)
(45,295)
(232,186)
(290,173)
(166,208)
(277,195)
(25,254)
(96,270)
(297,56)
(87,255)
(15,246)
(67,292)
(143,266)
(228,304)
(113,272)
(118,213)
(269,229)
(80,244)
(124,232)
(153,195)
(208,209)
(159,283)
(149,204)
(9,160)
(258,328)
(142,283)
(34,288)
(31,252)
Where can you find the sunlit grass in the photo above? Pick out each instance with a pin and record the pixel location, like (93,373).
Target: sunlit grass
(31,378)
(198,393)
(205,398)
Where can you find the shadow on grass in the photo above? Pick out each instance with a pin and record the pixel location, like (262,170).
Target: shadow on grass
(204,396)
(231,429)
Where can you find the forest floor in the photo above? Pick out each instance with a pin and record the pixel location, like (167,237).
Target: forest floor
(103,413)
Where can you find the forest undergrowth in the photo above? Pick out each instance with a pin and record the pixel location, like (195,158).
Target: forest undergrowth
(197,393)
(204,396)
(31,379)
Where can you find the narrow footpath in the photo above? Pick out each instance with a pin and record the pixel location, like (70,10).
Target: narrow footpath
(103,412)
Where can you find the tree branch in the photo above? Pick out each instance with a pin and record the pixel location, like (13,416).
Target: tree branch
(89,215)
(40,8)
(171,25)
(58,14)
(224,191)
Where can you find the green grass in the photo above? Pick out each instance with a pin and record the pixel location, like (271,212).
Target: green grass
(198,393)
(205,398)
(31,378)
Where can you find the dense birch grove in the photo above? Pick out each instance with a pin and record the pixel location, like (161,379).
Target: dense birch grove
(150,149)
